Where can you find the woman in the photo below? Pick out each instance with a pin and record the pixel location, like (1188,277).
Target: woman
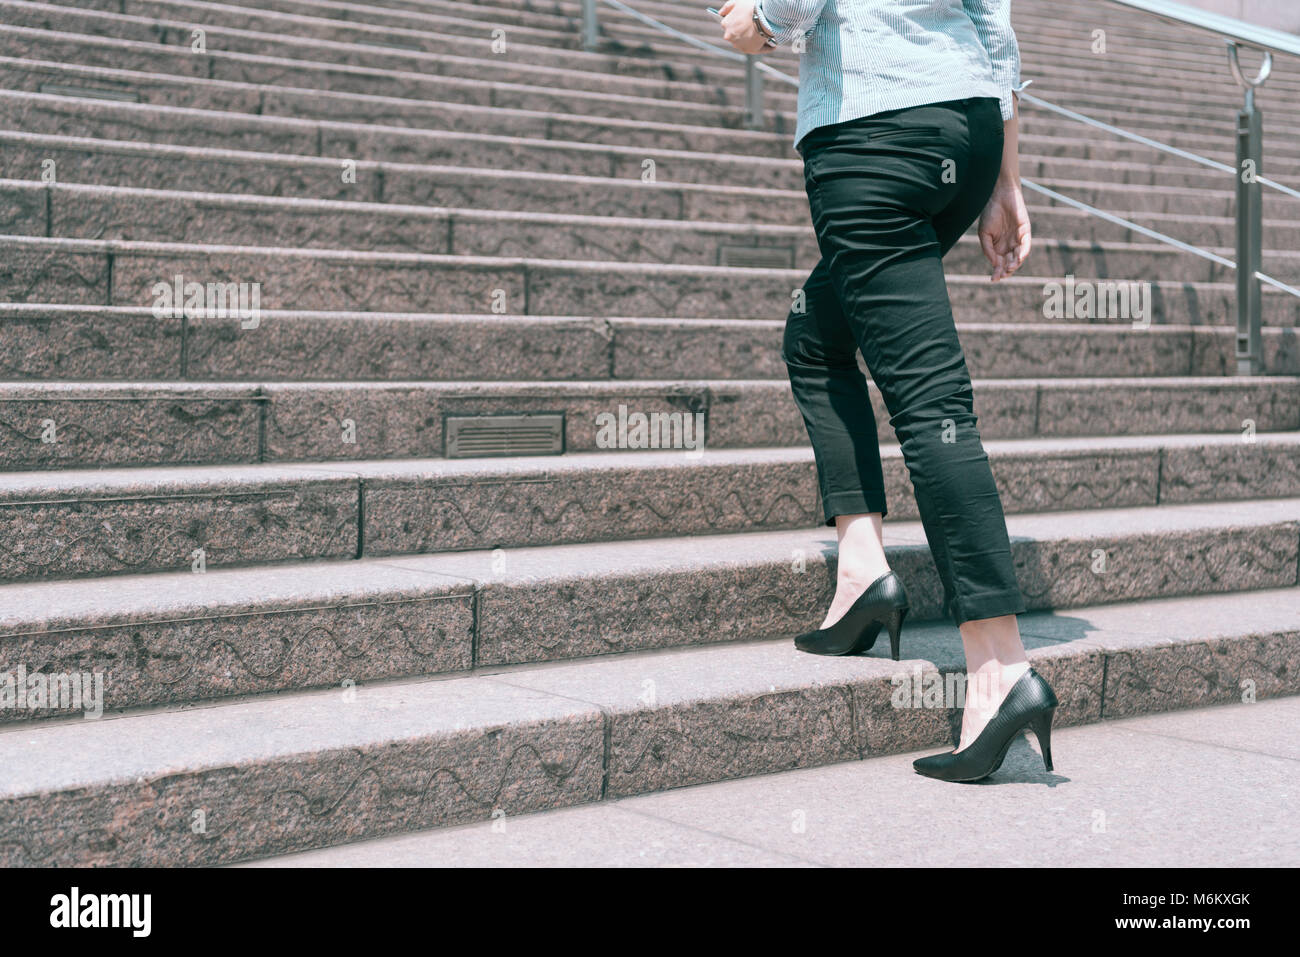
(908,131)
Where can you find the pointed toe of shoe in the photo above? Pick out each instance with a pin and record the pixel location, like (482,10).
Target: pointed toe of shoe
(933,766)
(806,642)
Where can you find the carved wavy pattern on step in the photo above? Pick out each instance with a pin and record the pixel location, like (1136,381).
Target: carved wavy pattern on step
(135,809)
(152,538)
(1228,556)
(701,507)
(134,437)
(619,621)
(57,271)
(1076,492)
(720,735)
(195,658)
(1219,673)
(164,537)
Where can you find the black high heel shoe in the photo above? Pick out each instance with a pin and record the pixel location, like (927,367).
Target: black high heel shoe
(1030,703)
(882,605)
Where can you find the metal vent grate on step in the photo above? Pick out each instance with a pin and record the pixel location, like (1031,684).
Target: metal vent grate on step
(757,257)
(481,435)
(90,92)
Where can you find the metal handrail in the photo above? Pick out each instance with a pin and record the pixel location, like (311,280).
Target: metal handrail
(1263,38)
(1154,144)
(1246,172)
(1154,234)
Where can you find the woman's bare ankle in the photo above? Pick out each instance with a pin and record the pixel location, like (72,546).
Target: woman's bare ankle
(850,583)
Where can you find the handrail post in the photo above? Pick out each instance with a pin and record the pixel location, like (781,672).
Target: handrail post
(1250,219)
(590,25)
(753,94)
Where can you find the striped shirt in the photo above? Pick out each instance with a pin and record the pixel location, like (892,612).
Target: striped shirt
(861,57)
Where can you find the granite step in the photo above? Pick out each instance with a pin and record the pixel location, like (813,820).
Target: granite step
(274,774)
(376,46)
(1241,754)
(130,70)
(523,139)
(189,170)
(109,212)
(107,424)
(124,163)
(142,70)
(112,212)
(621,36)
(106,212)
(449,70)
(376,75)
(121,272)
(572,148)
(120,163)
(78,523)
(261,31)
(51,343)
(293,87)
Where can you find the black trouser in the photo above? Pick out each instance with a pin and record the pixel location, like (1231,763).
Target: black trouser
(890,194)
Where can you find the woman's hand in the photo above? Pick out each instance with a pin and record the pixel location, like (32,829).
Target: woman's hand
(738,27)
(1004,230)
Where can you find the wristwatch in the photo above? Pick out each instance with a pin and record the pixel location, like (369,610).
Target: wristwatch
(762,30)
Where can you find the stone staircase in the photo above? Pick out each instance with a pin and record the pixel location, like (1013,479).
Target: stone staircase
(318,622)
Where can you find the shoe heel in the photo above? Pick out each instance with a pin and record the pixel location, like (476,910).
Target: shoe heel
(1042,726)
(895,626)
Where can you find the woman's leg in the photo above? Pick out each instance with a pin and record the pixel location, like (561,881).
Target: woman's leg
(821,357)
(876,187)
(995,655)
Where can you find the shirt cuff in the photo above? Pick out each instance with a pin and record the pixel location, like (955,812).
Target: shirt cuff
(1007,102)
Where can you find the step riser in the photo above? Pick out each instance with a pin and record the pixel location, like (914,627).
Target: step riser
(86,273)
(330,797)
(53,345)
(61,535)
(281,88)
(103,214)
(549,143)
(315,70)
(196,92)
(554,17)
(310,178)
(269,30)
(305,802)
(562,152)
(462,232)
(427,52)
(450,625)
(270,175)
(346,100)
(292,423)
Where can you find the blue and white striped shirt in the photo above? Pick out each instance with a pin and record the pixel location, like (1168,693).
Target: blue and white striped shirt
(865,56)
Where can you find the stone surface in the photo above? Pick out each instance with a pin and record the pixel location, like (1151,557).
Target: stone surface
(384,639)
(88,523)
(587,501)
(521,739)
(1088,813)
(49,343)
(181,638)
(105,426)
(335,769)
